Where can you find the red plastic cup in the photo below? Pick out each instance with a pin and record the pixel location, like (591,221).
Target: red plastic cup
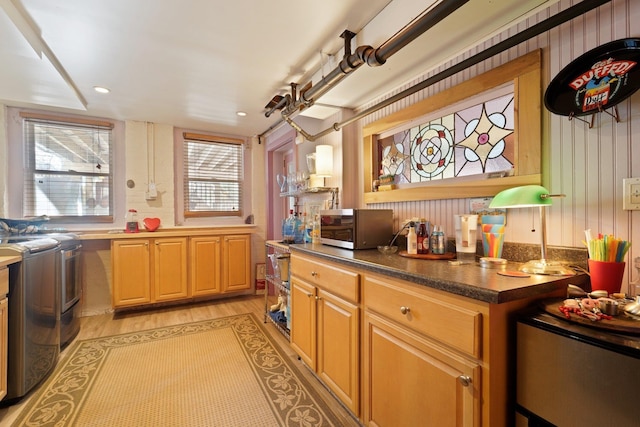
(606,275)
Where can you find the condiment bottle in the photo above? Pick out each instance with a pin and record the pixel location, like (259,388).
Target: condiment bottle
(132,222)
(423,237)
(412,240)
(438,245)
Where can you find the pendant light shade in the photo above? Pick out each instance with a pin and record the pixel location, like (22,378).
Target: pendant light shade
(324,161)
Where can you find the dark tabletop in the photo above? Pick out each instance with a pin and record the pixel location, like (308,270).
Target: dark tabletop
(469,280)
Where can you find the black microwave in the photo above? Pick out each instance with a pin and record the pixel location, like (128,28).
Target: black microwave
(356,228)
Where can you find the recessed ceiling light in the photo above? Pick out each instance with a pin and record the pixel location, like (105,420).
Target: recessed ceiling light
(241,113)
(101,89)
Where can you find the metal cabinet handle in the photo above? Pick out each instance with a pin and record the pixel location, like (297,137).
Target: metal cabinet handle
(404,310)
(314,274)
(309,295)
(465,380)
(318,298)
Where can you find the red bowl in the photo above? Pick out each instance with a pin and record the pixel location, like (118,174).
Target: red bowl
(151,224)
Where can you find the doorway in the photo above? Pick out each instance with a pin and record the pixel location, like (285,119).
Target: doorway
(281,159)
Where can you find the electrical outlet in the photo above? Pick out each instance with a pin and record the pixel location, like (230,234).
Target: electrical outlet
(631,194)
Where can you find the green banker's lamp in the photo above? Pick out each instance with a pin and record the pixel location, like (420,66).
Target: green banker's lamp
(531,196)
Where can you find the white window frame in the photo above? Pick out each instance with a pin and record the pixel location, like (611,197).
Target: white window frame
(209,218)
(16,173)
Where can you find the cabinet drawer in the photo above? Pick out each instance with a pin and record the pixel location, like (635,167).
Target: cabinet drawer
(4,281)
(414,308)
(330,277)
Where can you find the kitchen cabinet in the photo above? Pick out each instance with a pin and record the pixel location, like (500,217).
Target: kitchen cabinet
(170,268)
(220,264)
(236,262)
(149,270)
(205,257)
(420,358)
(432,335)
(162,269)
(4,329)
(325,324)
(130,269)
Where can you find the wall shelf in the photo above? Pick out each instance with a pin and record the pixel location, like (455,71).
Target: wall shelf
(276,288)
(335,191)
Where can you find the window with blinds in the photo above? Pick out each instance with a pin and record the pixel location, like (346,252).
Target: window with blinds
(67,169)
(213,173)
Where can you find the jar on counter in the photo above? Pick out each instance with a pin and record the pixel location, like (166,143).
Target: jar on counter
(438,242)
(131,220)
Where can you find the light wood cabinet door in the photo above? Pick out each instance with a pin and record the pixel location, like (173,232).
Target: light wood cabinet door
(131,272)
(338,355)
(325,319)
(170,269)
(205,255)
(303,321)
(4,331)
(409,380)
(236,263)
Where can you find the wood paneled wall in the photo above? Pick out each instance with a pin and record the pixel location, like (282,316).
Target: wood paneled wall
(587,165)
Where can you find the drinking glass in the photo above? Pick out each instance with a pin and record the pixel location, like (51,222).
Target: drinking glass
(282,182)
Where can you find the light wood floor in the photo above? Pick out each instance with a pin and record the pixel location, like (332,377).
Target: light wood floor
(131,321)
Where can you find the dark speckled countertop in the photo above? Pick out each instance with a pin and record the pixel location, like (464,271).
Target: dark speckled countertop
(469,280)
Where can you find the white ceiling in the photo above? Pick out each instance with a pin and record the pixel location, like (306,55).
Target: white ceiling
(194,63)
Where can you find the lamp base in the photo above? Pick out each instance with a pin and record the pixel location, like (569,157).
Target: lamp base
(542,266)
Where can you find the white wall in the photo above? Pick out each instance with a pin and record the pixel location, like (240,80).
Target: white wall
(4,161)
(149,157)
(587,165)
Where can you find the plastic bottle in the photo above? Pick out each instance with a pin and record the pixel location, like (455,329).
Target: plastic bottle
(298,229)
(423,237)
(283,230)
(438,245)
(412,240)
(315,230)
(308,224)
(289,234)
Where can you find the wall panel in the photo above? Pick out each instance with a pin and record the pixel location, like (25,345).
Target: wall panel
(587,165)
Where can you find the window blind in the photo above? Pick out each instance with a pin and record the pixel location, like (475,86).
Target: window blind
(213,175)
(67,169)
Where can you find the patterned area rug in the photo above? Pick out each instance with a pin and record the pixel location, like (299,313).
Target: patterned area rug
(222,372)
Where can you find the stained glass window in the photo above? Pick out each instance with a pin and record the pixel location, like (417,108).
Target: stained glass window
(474,140)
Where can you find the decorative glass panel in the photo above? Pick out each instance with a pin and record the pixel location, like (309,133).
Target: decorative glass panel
(472,141)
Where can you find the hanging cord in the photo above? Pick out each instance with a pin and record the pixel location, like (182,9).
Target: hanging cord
(399,231)
(533,221)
